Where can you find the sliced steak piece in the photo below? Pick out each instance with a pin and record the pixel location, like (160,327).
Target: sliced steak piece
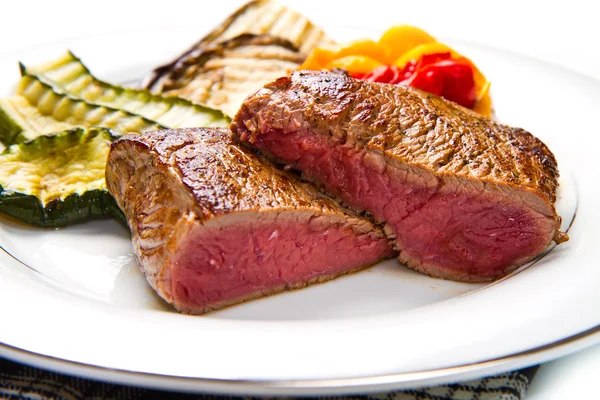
(214,225)
(465,197)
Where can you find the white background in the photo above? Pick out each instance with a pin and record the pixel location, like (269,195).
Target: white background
(564,33)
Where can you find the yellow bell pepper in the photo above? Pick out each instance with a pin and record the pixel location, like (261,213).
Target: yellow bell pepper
(364,47)
(318,58)
(322,57)
(401,38)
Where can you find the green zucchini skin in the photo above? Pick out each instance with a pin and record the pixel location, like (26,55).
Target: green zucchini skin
(57,213)
(74,205)
(9,128)
(69,75)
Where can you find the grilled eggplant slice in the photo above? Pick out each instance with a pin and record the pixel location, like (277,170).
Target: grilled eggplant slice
(56,180)
(69,75)
(268,17)
(224,74)
(256,17)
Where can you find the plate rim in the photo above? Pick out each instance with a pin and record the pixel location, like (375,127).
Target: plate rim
(308,387)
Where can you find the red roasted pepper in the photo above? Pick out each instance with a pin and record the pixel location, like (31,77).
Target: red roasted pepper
(439,74)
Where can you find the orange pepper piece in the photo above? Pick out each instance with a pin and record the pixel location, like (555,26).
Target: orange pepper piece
(361,64)
(364,47)
(318,58)
(400,39)
(484,102)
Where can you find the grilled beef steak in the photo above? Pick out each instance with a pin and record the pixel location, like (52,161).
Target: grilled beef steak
(214,225)
(464,197)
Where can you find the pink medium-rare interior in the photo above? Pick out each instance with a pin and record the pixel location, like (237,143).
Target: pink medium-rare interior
(445,230)
(227,264)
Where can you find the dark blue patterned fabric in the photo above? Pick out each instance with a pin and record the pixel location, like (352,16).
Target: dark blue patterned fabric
(18,381)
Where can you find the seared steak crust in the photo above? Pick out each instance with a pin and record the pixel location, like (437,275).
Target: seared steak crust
(405,124)
(224,178)
(214,225)
(436,149)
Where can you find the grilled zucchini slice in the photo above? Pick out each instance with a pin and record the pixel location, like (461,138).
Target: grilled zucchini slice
(70,76)
(56,180)
(45,107)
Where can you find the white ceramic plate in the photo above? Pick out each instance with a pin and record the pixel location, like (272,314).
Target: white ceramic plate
(73,300)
